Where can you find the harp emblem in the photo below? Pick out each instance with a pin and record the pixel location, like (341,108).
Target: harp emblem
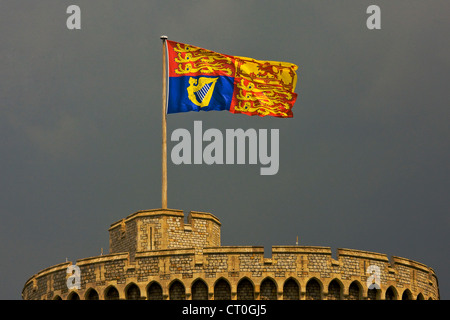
(200,90)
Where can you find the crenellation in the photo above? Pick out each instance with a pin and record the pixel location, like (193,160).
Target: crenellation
(165,257)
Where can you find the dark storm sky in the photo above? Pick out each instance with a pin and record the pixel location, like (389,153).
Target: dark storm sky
(364,163)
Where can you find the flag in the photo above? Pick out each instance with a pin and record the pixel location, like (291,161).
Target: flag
(200,79)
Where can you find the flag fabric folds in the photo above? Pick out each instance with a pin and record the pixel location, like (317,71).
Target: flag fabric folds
(201,79)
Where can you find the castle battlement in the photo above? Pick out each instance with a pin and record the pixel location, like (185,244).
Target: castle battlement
(155,254)
(160,229)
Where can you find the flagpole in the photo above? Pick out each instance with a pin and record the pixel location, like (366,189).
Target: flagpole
(164,129)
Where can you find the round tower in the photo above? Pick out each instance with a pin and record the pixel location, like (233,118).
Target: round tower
(157,255)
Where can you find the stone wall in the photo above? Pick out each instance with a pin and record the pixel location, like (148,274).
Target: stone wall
(163,229)
(155,254)
(293,272)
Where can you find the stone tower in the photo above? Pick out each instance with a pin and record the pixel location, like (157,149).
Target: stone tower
(156,255)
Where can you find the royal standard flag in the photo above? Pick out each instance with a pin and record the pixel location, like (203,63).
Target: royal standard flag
(201,79)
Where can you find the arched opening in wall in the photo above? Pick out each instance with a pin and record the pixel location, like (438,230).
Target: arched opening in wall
(154,291)
(420,297)
(291,290)
(91,294)
(407,295)
(57,297)
(222,290)
(390,294)
(73,296)
(111,293)
(268,290)
(313,290)
(132,292)
(373,294)
(199,290)
(177,291)
(354,291)
(245,290)
(334,290)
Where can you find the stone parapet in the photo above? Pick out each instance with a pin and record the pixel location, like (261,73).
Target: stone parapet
(234,265)
(159,229)
(158,254)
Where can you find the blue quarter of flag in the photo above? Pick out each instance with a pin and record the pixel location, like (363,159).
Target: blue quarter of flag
(220,98)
